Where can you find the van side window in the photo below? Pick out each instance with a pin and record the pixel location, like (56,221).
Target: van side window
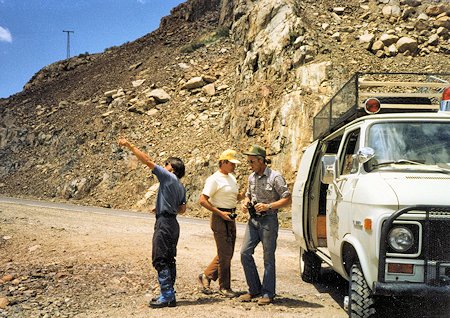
(351,147)
(331,147)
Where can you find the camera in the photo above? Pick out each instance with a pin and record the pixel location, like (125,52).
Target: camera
(232,215)
(252,210)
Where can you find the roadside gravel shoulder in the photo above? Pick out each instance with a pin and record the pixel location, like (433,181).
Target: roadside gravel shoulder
(58,262)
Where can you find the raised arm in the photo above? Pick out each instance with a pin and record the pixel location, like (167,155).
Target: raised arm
(143,157)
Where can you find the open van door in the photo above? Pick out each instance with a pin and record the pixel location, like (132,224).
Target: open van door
(301,189)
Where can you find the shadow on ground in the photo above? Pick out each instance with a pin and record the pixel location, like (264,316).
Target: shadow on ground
(200,301)
(392,307)
(290,302)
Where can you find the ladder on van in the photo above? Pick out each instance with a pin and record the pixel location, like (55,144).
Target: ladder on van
(396,92)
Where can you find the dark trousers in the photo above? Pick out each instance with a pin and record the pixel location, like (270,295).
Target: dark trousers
(225,237)
(164,246)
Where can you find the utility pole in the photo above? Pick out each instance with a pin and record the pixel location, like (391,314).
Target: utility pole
(68,42)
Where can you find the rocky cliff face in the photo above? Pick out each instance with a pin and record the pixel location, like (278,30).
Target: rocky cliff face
(216,74)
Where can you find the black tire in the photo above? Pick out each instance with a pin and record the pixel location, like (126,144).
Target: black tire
(361,303)
(310,270)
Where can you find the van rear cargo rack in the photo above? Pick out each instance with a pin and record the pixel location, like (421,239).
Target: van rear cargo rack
(397,92)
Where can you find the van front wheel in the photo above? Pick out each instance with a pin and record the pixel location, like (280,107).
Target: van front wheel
(310,267)
(361,303)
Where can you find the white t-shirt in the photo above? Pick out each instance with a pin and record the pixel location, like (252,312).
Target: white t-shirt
(222,190)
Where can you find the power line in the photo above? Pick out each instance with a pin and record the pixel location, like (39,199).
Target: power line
(68,42)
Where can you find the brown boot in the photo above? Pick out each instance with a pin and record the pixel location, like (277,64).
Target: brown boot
(205,283)
(247,297)
(265,300)
(227,293)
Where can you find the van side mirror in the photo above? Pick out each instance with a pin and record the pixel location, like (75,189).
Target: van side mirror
(329,172)
(328,169)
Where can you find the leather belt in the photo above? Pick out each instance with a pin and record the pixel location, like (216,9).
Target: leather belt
(227,210)
(167,215)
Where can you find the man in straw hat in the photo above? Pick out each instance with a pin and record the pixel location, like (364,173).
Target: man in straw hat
(220,196)
(267,192)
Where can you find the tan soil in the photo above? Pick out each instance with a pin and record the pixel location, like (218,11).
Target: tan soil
(60,260)
(69,261)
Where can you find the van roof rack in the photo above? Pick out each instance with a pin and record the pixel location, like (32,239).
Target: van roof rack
(396,92)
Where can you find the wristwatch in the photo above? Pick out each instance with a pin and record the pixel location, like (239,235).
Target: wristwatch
(270,206)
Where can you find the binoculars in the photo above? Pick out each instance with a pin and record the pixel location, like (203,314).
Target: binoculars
(252,210)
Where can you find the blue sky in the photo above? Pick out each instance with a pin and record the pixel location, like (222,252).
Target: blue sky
(31,31)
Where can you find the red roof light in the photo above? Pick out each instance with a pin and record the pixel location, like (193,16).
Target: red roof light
(445,102)
(372,105)
(446,94)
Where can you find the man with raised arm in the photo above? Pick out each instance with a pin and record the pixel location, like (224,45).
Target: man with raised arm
(170,201)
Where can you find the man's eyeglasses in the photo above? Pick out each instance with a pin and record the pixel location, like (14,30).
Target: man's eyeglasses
(250,162)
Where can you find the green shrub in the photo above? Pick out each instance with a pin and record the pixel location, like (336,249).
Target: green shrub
(191,47)
(206,39)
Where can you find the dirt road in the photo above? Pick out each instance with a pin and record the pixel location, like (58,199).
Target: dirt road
(65,261)
(60,260)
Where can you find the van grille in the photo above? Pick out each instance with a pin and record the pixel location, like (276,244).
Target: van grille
(439,240)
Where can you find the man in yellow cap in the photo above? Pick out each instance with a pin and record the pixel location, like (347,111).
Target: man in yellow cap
(220,195)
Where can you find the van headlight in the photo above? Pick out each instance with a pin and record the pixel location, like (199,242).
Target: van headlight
(401,239)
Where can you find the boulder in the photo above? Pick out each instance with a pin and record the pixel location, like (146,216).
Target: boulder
(433,40)
(435,10)
(209,79)
(339,10)
(193,83)
(441,31)
(137,83)
(405,44)
(443,21)
(110,93)
(377,45)
(407,13)
(392,50)
(209,89)
(3,302)
(388,39)
(159,95)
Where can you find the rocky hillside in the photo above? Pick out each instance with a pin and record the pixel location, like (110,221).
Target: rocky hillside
(216,74)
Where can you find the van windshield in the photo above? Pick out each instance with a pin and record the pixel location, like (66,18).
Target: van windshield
(422,142)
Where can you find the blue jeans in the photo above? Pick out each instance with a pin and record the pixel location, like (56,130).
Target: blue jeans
(265,230)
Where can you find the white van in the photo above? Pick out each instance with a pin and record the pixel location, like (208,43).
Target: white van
(372,193)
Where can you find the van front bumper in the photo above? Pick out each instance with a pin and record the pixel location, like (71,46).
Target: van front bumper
(409,289)
(430,261)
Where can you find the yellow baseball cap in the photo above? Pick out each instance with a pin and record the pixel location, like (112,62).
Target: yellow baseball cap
(229,155)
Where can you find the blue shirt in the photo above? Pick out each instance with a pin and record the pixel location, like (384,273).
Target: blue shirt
(171,193)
